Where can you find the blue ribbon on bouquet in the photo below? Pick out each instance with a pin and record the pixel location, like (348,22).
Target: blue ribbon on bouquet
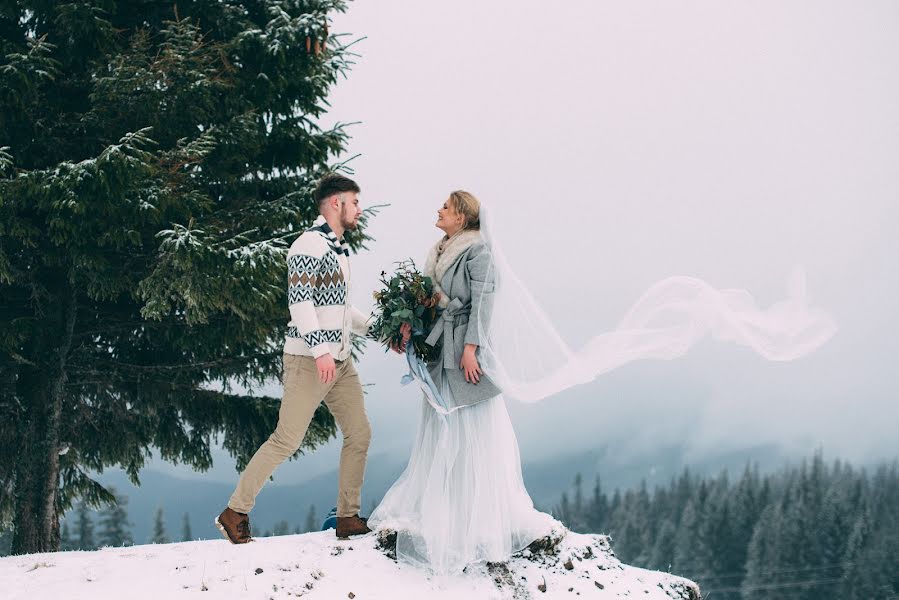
(418,371)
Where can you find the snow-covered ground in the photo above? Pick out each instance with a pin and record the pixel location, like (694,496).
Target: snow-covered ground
(318,566)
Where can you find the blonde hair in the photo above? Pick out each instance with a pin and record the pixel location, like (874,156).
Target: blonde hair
(469,207)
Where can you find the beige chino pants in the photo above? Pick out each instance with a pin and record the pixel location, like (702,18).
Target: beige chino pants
(303,392)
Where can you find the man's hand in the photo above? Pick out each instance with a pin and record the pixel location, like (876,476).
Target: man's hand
(406,331)
(327,370)
(470,365)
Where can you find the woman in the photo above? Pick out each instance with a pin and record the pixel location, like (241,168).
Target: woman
(461,498)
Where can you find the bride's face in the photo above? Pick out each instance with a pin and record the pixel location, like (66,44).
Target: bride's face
(449,219)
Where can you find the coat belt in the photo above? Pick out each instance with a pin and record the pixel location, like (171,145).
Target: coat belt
(444,329)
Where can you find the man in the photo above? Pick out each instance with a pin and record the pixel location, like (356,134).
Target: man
(317,363)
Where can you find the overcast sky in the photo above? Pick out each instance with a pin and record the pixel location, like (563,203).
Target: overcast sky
(628,141)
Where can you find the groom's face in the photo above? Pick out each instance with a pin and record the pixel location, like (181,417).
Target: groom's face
(350,211)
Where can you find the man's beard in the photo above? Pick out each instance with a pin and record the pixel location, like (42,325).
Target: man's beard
(347,223)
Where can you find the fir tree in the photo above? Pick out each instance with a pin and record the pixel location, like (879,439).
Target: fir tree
(838,513)
(65,538)
(615,503)
(156,161)
(856,577)
(663,549)
(886,486)
(871,559)
(660,508)
(312,522)
(85,531)
(281,528)
(563,510)
(577,522)
(115,528)
(597,519)
(686,548)
(744,515)
(159,534)
(715,526)
(631,526)
(186,535)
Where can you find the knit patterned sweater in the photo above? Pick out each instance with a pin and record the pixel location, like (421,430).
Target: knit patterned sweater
(318,286)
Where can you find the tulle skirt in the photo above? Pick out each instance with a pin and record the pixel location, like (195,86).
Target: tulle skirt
(461,498)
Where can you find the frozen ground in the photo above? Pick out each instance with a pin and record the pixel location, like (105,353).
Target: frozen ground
(318,566)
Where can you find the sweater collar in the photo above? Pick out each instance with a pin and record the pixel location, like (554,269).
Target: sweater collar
(339,246)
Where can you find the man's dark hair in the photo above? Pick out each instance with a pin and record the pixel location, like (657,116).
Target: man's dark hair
(331,184)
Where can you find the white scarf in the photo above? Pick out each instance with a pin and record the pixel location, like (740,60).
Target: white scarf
(438,262)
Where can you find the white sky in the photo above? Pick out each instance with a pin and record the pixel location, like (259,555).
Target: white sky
(629,141)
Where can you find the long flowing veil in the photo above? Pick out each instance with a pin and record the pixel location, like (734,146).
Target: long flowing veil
(523,352)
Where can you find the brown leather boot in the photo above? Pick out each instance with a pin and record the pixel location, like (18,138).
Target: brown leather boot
(355,525)
(234,526)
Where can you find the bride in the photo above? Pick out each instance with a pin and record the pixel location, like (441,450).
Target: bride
(461,498)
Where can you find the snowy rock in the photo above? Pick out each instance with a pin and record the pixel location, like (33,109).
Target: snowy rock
(318,566)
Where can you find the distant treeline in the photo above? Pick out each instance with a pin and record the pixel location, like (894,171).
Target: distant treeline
(86,529)
(809,532)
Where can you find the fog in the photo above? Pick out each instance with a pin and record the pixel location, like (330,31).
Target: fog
(628,141)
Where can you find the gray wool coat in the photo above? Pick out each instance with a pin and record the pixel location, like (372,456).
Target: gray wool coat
(468,284)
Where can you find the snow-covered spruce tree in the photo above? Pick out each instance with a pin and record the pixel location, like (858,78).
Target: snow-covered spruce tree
(186,534)
(156,160)
(85,528)
(282,527)
(312,522)
(159,534)
(115,529)
(65,538)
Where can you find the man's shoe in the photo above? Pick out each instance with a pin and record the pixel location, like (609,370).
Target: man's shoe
(355,525)
(234,526)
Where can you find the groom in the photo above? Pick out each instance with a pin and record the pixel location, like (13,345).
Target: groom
(317,363)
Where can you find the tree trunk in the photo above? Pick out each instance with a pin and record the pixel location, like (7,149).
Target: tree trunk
(40,388)
(37,467)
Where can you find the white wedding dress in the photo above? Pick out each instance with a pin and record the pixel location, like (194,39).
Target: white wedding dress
(461,498)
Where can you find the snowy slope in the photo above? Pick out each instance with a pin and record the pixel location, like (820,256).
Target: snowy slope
(318,566)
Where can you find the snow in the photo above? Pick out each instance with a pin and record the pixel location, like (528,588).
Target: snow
(319,566)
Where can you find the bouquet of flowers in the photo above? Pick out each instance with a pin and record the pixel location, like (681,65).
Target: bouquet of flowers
(407,297)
